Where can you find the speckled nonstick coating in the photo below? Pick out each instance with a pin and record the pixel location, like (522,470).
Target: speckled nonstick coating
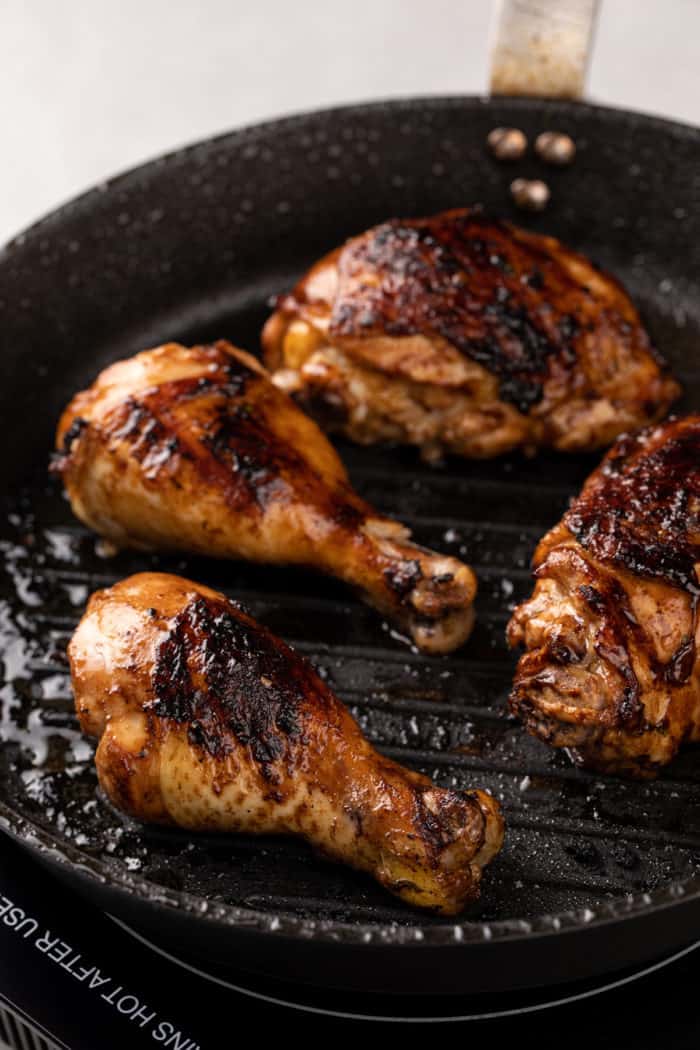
(597,873)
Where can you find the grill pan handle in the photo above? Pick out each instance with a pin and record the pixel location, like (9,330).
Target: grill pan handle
(542,47)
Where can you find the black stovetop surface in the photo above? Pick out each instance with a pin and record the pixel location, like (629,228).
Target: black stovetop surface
(86,983)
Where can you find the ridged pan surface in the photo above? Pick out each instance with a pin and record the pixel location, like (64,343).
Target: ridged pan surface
(191,247)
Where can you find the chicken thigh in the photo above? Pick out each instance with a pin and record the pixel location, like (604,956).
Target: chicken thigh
(208,721)
(193,448)
(611,631)
(464,334)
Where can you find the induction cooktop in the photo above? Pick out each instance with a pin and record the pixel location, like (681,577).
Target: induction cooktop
(73,977)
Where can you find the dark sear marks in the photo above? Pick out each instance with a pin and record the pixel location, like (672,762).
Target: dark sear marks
(641,512)
(461,333)
(59,459)
(231,436)
(153,444)
(229,429)
(221,674)
(403,578)
(219,423)
(611,667)
(208,721)
(609,601)
(196,449)
(476,282)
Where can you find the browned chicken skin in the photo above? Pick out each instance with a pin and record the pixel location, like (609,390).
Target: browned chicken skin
(207,721)
(195,449)
(464,334)
(612,631)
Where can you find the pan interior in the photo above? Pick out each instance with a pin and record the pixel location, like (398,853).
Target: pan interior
(574,839)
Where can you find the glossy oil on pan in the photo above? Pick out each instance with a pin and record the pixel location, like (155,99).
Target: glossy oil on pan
(597,873)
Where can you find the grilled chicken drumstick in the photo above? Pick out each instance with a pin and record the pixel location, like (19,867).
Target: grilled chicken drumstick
(611,631)
(460,333)
(208,721)
(195,449)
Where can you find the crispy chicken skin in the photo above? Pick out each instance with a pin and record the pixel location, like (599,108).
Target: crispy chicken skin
(207,720)
(464,334)
(611,631)
(195,449)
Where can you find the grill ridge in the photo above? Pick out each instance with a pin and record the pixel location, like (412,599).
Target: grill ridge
(573,837)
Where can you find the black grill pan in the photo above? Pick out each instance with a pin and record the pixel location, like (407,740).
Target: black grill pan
(597,873)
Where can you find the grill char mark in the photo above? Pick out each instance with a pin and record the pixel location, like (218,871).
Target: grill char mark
(469,279)
(630,543)
(234,442)
(641,510)
(222,676)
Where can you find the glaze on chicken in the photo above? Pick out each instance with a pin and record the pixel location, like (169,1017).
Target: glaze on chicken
(612,669)
(464,334)
(207,721)
(195,449)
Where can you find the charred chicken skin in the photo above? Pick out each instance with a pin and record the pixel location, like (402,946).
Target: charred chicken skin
(464,334)
(208,721)
(611,631)
(195,449)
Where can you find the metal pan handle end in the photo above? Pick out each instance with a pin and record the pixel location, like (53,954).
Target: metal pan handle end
(542,47)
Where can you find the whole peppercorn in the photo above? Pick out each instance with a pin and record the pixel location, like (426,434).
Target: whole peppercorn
(530,194)
(507,143)
(554,147)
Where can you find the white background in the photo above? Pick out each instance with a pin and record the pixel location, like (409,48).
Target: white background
(90,87)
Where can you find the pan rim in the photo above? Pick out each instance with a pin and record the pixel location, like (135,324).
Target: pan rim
(289,122)
(37,839)
(463,931)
